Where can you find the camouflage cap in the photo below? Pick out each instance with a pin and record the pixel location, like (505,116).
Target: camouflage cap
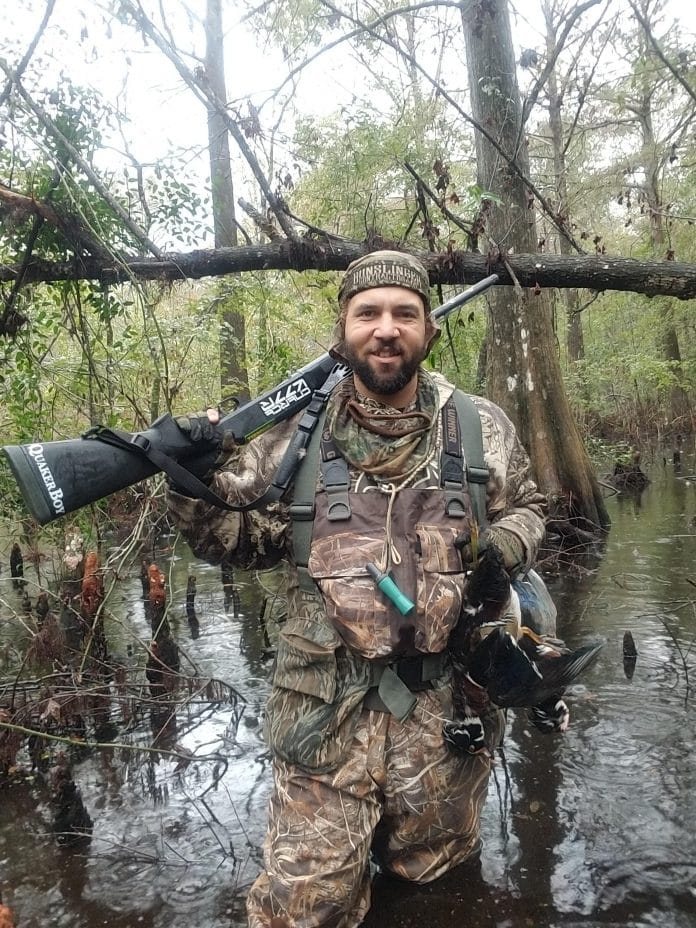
(385,269)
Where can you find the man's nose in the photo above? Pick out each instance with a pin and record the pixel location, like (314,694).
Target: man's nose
(386,326)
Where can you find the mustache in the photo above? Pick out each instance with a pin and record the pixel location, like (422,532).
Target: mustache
(381,343)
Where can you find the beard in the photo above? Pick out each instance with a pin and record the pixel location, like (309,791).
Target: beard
(389,382)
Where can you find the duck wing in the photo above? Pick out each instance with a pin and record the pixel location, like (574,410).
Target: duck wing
(515,681)
(559,672)
(511,675)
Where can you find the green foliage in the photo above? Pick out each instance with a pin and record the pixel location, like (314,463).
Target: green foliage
(355,182)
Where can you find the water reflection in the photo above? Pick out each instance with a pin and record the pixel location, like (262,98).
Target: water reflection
(595,828)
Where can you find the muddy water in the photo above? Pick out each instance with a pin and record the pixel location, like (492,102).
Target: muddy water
(594,828)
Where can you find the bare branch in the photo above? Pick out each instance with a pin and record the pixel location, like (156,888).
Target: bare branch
(94,179)
(439,202)
(658,51)
(543,202)
(378,21)
(206,95)
(550,64)
(260,220)
(21,67)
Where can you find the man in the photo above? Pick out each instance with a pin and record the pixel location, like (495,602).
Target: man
(362,682)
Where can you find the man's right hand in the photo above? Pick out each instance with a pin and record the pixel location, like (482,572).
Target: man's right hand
(202,426)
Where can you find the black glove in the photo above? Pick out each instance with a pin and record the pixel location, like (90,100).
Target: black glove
(209,437)
(198,427)
(464,736)
(550,716)
(489,582)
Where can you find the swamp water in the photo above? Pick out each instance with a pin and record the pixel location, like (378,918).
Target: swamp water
(594,828)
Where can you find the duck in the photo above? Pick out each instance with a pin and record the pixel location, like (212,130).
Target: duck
(513,673)
(526,672)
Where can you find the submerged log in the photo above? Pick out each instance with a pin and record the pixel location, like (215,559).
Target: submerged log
(630,655)
(629,476)
(163,665)
(72,823)
(191,596)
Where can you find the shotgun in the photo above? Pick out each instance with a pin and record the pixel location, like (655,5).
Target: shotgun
(59,477)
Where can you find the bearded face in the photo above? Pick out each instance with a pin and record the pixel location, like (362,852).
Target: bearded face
(385,341)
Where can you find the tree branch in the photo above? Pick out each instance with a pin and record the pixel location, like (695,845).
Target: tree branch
(439,202)
(53,129)
(658,51)
(206,95)
(26,58)
(318,253)
(19,205)
(543,202)
(378,21)
(550,64)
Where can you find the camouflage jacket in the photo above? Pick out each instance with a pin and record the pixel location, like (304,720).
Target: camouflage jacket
(339,626)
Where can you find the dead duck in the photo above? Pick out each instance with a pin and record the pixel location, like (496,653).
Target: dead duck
(530,674)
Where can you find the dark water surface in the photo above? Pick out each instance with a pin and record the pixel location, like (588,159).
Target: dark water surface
(593,828)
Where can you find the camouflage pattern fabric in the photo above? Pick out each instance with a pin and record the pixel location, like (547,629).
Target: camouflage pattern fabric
(429,571)
(347,776)
(399,794)
(385,269)
(261,539)
(318,688)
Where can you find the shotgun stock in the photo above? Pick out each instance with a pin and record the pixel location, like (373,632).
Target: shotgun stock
(59,477)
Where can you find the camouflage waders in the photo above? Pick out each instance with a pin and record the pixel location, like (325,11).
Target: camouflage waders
(400,793)
(350,780)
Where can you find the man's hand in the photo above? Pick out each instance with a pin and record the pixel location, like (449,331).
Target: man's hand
(201,426)
(508,545)
(489,582)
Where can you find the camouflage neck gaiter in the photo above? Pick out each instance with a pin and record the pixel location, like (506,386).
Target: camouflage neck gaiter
(379,439)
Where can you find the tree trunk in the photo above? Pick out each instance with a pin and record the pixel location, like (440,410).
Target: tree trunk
(524,374)
(574,336)
(667,337)
(234,378)
(653,278)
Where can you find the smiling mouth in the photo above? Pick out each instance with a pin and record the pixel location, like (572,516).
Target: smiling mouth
(386,353)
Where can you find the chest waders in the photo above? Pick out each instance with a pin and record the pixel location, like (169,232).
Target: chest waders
(392,684)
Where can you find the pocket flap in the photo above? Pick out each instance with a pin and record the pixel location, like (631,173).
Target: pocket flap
(306,659)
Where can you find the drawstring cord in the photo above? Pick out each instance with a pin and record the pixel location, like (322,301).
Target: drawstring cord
(390,553)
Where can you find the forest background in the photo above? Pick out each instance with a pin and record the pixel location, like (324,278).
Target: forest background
(228,143)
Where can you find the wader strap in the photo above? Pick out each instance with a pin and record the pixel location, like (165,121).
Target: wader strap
(477,472)
(302,507)
(467,425)
(392,686)
(336,478)
(452,462)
